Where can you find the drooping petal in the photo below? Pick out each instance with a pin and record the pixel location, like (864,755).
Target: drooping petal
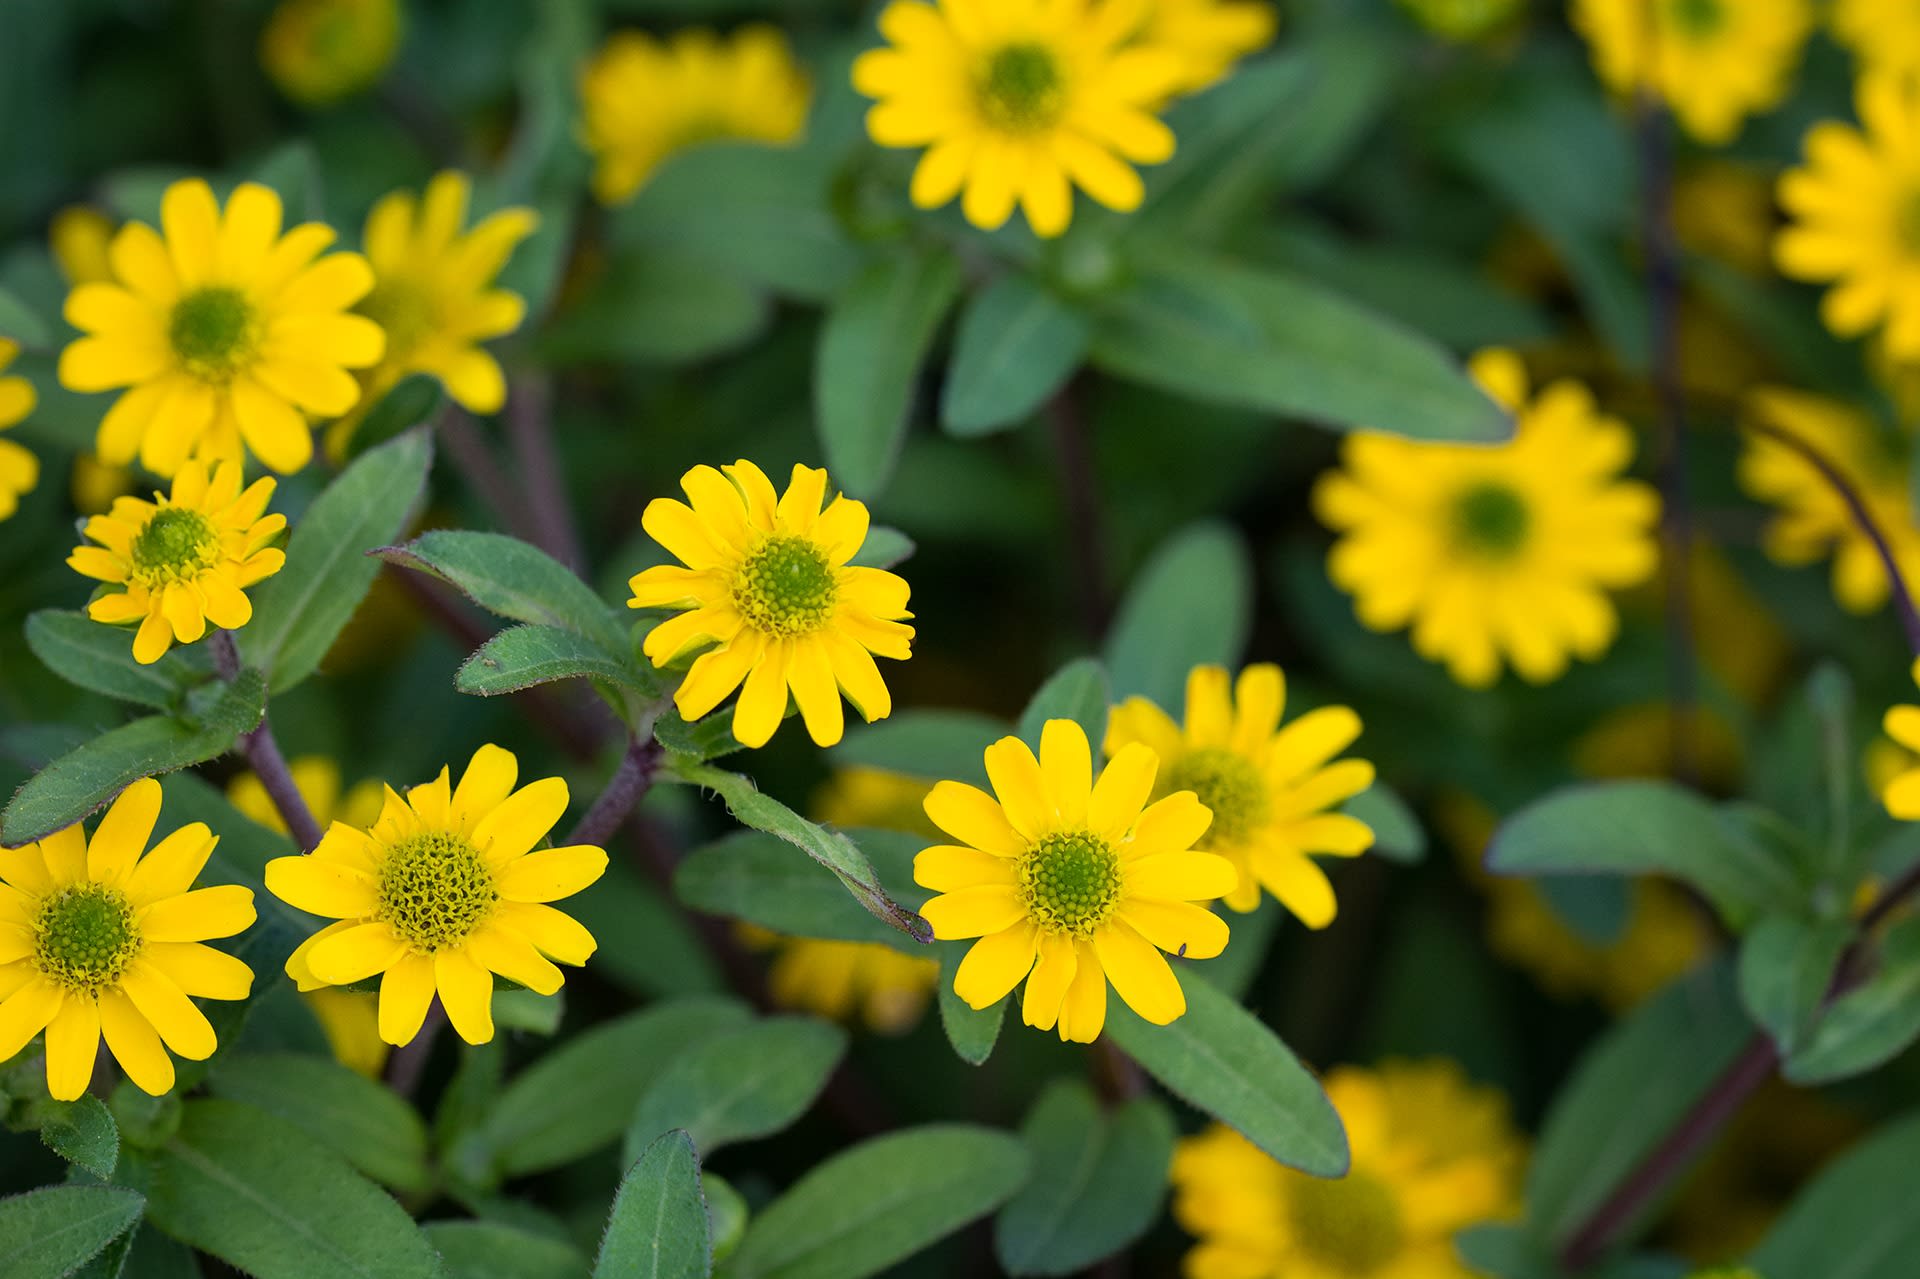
(73,1046)
(406,991)
(135,1044)
(466,991)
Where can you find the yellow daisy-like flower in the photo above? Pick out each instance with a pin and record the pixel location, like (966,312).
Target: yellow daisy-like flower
(445,889)
(94,485)
(19,468)
(1269,788)
(78,238)
(1493,554)
(1883,34)
(1901,793)
(843,980)
(642,100)
(1714,62)
(766,582)
(185,559)
(1463,19)
(1813,520)
(320,51)
(1432,1155)
(1019,101)
(1208,35)
(224,331)
(102,938)
(1071,883)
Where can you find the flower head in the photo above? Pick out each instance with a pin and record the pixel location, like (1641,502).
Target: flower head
(1017,101)
(443,890)
(1071,883)
(320,51)
(1883,34)
(1432,1155)
(860,796)
(845,980)
(185,558)
(1208,35)
(224,331)
(767,584)
(644,99)
(19,468)
(102,937)
(1268,788)
(1492,554)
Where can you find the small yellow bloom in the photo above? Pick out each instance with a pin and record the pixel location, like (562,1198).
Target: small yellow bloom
(842,980)
(320,51)
(859,796)
(766,582)
(1901,794)
(224,331)
(94,485)
(102,938)
(445,889)
(185,559)
(1069,880)
(1883,34)
(1208,35)
(642,100)
(1714,62)
(1493,554)
(1463,20)
(1432,1155)
(79,238)
(19,468)
(1268,788)
(1019,101)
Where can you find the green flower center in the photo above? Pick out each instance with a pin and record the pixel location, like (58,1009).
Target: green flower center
(1022,89)
(1228,783)
(85,937)
(1351,1226)
(786,587)
(435,890)
(1070,883)
(214,331)
(1491,520)
(407,313)
(176,544)
(1697,18)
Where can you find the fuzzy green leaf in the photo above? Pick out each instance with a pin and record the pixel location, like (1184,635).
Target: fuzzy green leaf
(99,657)
(658,1227)
(1786,966)
(1397,835)
(48,1233)
(85,1135)
(936,745)
(513,579)
(363,1122)
(972,1031)
(1016,344)
(523,656)
(739,1085)
(1077,691)
(754,876)
(1871,1024)
(492,1250)
(1191,605)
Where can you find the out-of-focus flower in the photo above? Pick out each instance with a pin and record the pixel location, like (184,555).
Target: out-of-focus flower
(320,51)
(1724,210)
(19,468)
(845,980)
(1901,792)
(1208,35)
(1883,34)
(1463,19)
(79,238)
(94,485)
(1637,741)
(874,797)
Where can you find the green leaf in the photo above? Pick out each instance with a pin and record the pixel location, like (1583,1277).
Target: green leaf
(47,1233)
(706,739)
(1786,966)
(82,782)
(417,399)
(99,657)
(22,323)
(1097,1181)
(299,611)
(875,336)
(523,656)
(867,1208)
(513,579)
(885,547)
(1016,344)
(85,1135)
(1856,1221)
(753,876)
(1871,1024)
(292,170)
(647,943)
(266,1198)
(363,1122)
(936,745)
(1191,605)
(727,1213)
(972,1031)
(492,1250)
(739,1085)
(656,307)
(1397,834)
(658,1227)
(1221,1059)
(1077,691)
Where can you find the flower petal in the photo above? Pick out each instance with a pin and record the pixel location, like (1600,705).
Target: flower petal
(1121,793)
(355,954)
(1184,876)
(973,912)
(947,868)
(521,820)
(1140,974)
(220,911)
(973,817)
(995,965)
(182,1027)
(406,991)
(551,873)
(73,1047)
(135,1044)
(123,833)
(466,991)
(1177,927)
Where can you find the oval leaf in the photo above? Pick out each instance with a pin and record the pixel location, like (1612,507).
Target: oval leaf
(658,1228)
(1077,691)
(363,1122)
(50,1232)
(740,1084)
(1191,605)
(513,579)
(1017,343)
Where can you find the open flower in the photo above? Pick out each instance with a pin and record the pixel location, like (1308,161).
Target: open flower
(845,980)
(1071,883)
(767,583)
(1268,788)
(1208,35)
(1018,101)
(102,938)
(445,889)
(19,468)
(224,331)
(185,558)
(320,51)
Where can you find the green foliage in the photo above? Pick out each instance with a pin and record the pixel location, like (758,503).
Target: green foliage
(1191,605)
(1016,344)
(738,1085)
(491,1250)
(1854,1219)
(525,656)
(99,658)
(754,876)
(521,583)
(971,1031)
(1787,967)
(85,1134)
(658,1228)
(52,1231)
(936,745)
(1077,691)
(1870,1024)
(362,1122)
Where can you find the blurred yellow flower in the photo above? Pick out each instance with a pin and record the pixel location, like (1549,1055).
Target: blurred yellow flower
(1269,788)
(19,468)
(320,51)
(94,485)
(102,938)
(642,100)
(1883,34)
(1208,35)
(1637,741)
(873,797)
(79,237)
(1501,553)
(223,331)
(1901,792)
(766,582)
(1713,62)
(1724,210)
(185,558)
(1019,101)
(1067,878)
(843,980)
(1432,1155)
(1463,19)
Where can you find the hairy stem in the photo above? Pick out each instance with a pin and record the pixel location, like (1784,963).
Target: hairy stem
(263,756)
(530,427)
(626,788)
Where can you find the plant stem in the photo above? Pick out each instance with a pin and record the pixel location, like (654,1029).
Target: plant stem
(1081,492)
(263,756)
(626,788)
(530,427)
(409,1061)
(1116,1076)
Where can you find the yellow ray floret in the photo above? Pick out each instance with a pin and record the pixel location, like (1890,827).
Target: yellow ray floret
(1208,35)
(101,938)
(766,583)
(19,468)
(1071,883)
(1883,34)
(225,332)
(185,558)
(1269,788)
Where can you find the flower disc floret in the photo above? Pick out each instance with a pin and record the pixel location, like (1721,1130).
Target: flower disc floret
(177,543)
(1023,89)
(435,890)
(786,587)
(1351,1226)
(213,331)
(1491,519)
(1231,787)
(84,937)
(1070,883)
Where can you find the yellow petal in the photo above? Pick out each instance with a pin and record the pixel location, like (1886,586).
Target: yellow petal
(514,958)
(1047,985)
(484,786)
(1122,791)
(25,1013)
(135,1045)
(1083,1013)
(1171,825)
(1139,973)
(1066,762)
(763,698)
(1260,695)
(466,991)
(73,1045)
(201,970)
(973,912)
(123,833)
(1209,709)
(810,676)
(1183,876)
(182,1027)
(551,873)
(65,854)
(1300,885)
(405,994)
(355,954)
(947,868)
(521,820)
(555,933)
(995,964)
(973,817)
(1021,788)
(221,911)
(1177,927)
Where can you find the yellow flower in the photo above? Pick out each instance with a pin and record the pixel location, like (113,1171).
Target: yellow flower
(642,100)
(1432,1154)
(887,990)
(1901,793)
(94,485)
(1016,99)
(185,559)
(1724,210)
(320,51)
(1813,520)
(1714,62)
(1463,19)
(19,468)
(1883,34)
(1268,788)
(1855,208)
(445,889)
(350,1019)
(1208,35)
(223,331)
(102,937)
(79,238)
(767,583)
(873,797)
(1494,553)
(1068,879)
